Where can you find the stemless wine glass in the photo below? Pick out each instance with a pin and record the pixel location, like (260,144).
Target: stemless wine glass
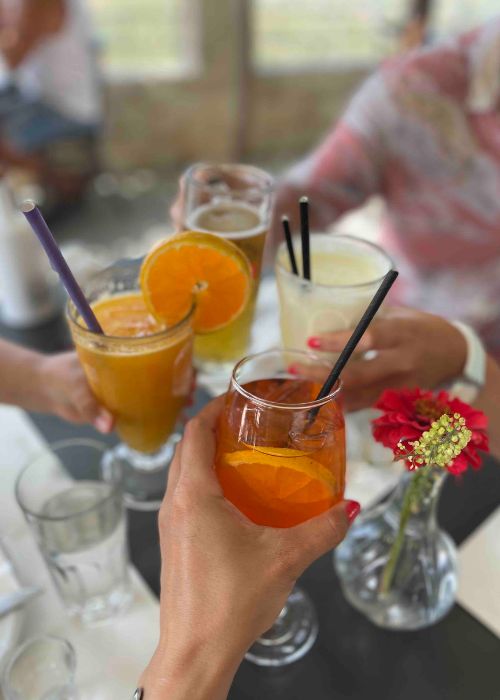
(43,668)
(142,374)
(281,460)
(233,201)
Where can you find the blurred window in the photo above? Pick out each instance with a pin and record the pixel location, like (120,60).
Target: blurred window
(145,36)
(290,33)
(452,17)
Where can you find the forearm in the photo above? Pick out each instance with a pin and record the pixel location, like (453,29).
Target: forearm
(489,402)
(20,376)
(337,177)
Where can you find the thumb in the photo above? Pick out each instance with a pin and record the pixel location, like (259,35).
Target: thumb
(315,537)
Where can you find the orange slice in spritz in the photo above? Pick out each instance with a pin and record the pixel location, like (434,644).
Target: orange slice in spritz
(196,268)
(279,488)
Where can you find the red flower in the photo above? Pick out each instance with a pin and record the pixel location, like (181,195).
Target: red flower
(407,413)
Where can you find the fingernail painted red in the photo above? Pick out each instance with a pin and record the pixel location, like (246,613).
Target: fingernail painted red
(314,343)
(352,510)
(292,369)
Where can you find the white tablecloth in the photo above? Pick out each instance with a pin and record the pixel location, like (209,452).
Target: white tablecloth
(112,655)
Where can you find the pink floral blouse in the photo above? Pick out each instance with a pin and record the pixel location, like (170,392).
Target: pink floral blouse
(424,132)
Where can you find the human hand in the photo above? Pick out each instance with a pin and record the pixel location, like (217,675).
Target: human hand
(177,206)
(413,348)
(224,579)
(62,389)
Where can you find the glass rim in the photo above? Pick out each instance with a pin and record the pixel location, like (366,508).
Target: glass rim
(344,237)
(53,447)
(71,314)
(17,652)
(134,340)
(306,405)
(268,186)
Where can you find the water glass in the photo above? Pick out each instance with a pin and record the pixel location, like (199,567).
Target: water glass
(72,499)
(43,668)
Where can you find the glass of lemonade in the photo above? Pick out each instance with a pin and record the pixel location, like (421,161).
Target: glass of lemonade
(345,274)
(141,372)
(235,202)
(281,460)
(73,502)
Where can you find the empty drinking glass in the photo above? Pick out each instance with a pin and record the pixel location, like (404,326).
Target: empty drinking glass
(43,668)
(73,501)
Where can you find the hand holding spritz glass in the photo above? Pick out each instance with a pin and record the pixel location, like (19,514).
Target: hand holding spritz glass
(281,460)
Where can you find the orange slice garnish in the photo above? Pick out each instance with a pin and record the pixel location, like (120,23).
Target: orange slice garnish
(199,268)
(279,489)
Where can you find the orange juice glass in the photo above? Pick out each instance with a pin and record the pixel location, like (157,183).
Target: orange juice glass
(141,372)
(281,460)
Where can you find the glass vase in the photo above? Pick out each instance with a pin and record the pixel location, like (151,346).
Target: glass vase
(396,565)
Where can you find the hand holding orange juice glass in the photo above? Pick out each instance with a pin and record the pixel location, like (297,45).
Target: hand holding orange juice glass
(141,367)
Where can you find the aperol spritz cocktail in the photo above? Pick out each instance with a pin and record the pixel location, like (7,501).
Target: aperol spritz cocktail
(278,469)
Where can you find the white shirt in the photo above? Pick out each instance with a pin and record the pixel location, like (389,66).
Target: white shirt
(62,71)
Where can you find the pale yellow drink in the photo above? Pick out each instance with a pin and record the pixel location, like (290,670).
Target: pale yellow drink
(346,273)
(242,225)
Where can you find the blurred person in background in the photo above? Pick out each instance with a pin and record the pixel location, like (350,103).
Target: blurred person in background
(50,111)
(424,133)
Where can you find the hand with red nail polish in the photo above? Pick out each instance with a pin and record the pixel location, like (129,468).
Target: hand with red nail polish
(352,509)
(408,348)
(221,567)
(314,342)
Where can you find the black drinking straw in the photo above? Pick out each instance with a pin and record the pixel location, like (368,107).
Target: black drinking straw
(356,336)
(59,264)
(289,244)
(304,236)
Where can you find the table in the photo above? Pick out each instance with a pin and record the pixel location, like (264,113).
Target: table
(457,659)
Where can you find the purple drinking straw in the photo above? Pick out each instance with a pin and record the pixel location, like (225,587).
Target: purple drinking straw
(59,264)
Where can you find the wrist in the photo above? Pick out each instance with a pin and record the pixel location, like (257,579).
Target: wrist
(472,376)
(200,672)
(457,352)
(23,382)
(41,382)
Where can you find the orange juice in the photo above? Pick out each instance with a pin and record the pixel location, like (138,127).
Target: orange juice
(274,464)
(139,370)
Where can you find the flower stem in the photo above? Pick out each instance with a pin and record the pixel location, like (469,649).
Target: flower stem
(415,490)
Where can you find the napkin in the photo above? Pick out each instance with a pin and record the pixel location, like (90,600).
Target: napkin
(479,573)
